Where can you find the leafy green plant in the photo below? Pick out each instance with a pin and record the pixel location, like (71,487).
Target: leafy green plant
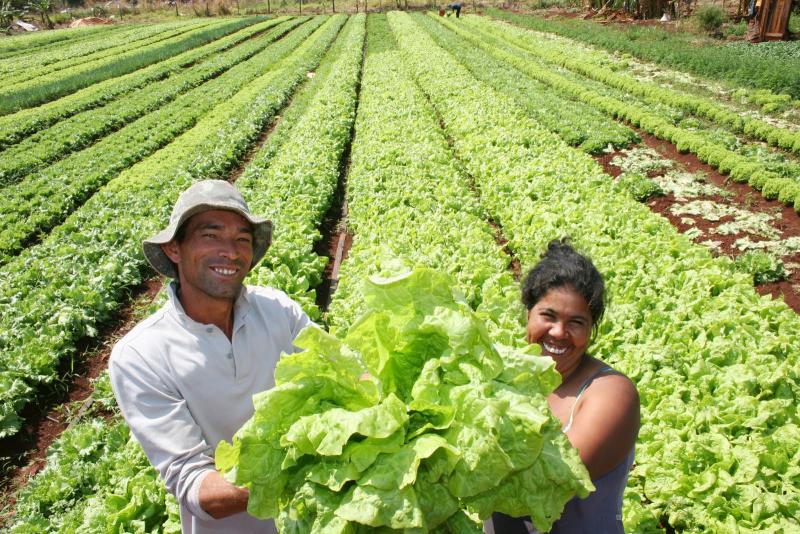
(639,186)
(780,75)
(42,8)
(104,259)
(710,18)
(8,13)
(763,267)
(430,441)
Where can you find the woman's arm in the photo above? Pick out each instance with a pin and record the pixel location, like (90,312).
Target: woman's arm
(605,423)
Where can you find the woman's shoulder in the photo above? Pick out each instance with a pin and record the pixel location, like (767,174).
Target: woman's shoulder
(610,393)
(604,377)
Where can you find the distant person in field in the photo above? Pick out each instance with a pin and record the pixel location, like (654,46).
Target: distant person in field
(455,7)
(184,377)
(598,407)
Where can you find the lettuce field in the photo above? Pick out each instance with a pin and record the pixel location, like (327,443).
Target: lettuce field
(388,141)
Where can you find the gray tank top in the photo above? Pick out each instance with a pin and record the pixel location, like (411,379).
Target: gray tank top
(599,513)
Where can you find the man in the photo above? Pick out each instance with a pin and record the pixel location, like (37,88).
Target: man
(184,377)
(455,7)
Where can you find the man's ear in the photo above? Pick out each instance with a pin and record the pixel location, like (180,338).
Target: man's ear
(172,250)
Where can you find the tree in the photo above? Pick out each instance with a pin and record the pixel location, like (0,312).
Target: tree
(42,7)
(7,15)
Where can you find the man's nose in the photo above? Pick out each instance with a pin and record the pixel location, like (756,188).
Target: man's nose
(228,249)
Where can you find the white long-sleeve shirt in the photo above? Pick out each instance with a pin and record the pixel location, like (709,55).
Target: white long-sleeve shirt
(182,386)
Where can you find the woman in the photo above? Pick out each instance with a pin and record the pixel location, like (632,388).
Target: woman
(597,406)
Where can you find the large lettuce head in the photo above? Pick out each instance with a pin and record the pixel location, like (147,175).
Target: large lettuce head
(414,422)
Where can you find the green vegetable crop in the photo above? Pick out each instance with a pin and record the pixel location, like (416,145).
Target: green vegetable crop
(446,428)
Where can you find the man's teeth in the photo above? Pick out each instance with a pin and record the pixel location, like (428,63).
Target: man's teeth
(226,272)
(554,350)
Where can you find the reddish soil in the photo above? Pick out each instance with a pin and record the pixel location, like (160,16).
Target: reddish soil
(514,264)
(44,424)
(742,196)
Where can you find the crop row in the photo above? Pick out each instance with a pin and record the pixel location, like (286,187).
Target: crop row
(16,126)
(28,45)
(37,65)
(57,292)
(713,361)
(44,199)
(109,484)
(407,198)
(296,186)
(577,123)
(660,46)
(36,42)
(82,129)
(37,91)
(741,168)
(569,57)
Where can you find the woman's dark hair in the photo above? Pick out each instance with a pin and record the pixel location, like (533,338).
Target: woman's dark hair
(560,266)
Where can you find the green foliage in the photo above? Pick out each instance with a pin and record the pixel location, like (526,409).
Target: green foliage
(292,180)
(684,324)
(434,432)
(35,91)
(764,268)
(43,199)
(8,14)
(16,126)
(640,187)
(82,129)
(577,123)
(738,29)
(98,260)
(710,17)
(513,45)
(780,75)
(42,8)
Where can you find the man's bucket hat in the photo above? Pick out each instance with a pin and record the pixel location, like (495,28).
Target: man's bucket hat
(205,196)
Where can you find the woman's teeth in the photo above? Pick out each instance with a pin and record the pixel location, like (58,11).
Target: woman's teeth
(554,350)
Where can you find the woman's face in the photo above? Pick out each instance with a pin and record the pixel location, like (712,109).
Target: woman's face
(561,324)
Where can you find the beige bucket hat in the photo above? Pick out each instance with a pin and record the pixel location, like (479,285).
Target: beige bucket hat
(205,196)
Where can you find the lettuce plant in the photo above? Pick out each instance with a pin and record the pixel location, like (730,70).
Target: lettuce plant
(415,421)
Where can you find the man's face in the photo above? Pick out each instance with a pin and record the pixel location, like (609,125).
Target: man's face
(214,255)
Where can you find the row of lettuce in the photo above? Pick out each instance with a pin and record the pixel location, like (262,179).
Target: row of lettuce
(97,478)
(83,268)
(82,129)
(659,45)
(715,364)
(40,64)
(43,199)
(532,55)
(40,89)
(713,361)
(16,126)
(28,43)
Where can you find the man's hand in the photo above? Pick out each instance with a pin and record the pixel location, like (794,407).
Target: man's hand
(220,498)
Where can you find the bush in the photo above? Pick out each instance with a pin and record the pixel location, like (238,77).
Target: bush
(710,18)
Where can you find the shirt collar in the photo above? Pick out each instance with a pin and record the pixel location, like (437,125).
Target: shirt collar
(240,308)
